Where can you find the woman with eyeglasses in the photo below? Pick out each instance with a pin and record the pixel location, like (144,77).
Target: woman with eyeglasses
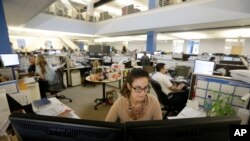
(135,104)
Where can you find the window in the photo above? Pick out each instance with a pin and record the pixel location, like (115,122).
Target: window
(178,46)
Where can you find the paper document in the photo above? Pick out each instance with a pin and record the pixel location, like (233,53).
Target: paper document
(190,112)
(52,110)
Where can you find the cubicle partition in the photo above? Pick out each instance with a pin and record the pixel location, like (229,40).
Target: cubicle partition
(219,87)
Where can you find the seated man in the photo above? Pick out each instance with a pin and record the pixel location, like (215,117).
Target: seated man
(32,66)
(167,87)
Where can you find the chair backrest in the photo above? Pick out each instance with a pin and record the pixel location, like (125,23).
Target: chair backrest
(162,97)
(58,82)
(57,87)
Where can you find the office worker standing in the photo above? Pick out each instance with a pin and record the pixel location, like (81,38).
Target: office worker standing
(32,66)
(135,104)
(145,61)
(45,71)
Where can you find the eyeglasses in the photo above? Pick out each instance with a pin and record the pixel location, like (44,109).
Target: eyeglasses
(139,89)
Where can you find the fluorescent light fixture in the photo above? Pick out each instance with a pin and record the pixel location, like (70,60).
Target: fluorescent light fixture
(21,37)
(235,33)
(122,38)
(164,37)
(190,35)
(49,32)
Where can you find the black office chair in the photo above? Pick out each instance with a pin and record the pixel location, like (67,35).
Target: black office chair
(170,105)
(53,89)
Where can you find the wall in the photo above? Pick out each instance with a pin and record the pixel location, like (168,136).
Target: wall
(246,49)
(206,45)
(62,24)
(199,13)
(212,46)
(34,43)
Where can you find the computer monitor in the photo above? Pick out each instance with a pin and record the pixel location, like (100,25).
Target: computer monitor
(157,53)
(228,58)
(236,59)
(9,60)
(32,127)
(191,129)
(139,55)
(204,67)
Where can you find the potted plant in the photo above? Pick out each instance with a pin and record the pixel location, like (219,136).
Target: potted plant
(222,107)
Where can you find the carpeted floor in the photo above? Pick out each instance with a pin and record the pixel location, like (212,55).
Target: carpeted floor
(83,100)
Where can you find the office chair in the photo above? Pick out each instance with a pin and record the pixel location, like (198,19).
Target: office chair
(54,89)
(170,105)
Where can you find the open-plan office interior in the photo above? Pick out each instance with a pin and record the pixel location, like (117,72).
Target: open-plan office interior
(74,35)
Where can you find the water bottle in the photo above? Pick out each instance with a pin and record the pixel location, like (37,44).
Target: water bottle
(208,105)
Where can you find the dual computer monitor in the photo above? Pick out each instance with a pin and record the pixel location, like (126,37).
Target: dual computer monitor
(41,128)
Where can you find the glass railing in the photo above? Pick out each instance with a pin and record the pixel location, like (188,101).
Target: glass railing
(107,11)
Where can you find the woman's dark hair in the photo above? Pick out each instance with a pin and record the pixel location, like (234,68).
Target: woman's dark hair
(132,75)
(159,66)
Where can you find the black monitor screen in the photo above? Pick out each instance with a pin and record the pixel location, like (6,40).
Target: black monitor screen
(95,49)
(204,67)
(9,60)
(105,49)
(29,127)
(188,129)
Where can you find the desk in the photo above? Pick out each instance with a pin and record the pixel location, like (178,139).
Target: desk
(55,108)
(103,82)
(68,71)
(31,89)
(181,80)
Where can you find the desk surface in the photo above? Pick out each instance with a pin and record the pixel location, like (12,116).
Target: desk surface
(103,81)
(77,67)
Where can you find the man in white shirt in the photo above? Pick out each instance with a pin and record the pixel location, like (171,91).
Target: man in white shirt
(167,86)
(164,80)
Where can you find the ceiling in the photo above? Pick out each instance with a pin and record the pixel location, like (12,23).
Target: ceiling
(19,12)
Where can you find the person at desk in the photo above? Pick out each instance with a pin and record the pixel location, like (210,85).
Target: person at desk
(95,63)
(32,66)
(167,86)
(135,104)
(145,61)
(124,50)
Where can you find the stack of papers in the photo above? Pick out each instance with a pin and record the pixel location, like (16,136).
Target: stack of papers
(52,110)
(29,80)
(189,112)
